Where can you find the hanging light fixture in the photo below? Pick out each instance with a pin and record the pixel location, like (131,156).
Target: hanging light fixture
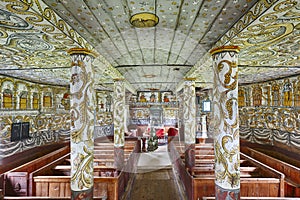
(144,20)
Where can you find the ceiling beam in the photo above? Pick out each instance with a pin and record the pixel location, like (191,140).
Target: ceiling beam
(154,65)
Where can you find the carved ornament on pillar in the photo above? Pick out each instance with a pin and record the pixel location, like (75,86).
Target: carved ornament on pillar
(82,108)
(119,122)
(189,117)
(225,120)
(119,112)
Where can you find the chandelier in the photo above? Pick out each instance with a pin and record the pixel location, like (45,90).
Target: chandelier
(144,20)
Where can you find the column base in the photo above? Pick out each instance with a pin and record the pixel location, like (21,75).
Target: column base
(222,194)
(82,194)
(119,158)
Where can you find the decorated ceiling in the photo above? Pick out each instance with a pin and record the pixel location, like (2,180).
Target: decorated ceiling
(36,35)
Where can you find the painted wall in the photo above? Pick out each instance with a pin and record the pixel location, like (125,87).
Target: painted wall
(40,105)
(269,112)
(46,108)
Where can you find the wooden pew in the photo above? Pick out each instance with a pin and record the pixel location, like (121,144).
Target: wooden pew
(255,175)
(45,169)
(245,172)
(53,180)
(255,181)
(21,158)
(16,181)
(59,186)
(291,172)
(108,182)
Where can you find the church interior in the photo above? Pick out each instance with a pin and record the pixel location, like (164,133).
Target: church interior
(150,99)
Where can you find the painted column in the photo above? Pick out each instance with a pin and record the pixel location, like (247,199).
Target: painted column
(225,122)
(189,121)
(82,106)
(119,122)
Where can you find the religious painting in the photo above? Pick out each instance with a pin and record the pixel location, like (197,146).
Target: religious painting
(65,101)
(257,96)
(287,93)
(275,94)
(149,97)
(167,97)
(297,93)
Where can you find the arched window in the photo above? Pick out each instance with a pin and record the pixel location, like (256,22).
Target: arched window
(47,103)
(241,97)
(257,96)
(35,101)
(7,99)
(23,100)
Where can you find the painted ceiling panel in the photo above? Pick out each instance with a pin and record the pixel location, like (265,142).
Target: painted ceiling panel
(145,38)
(36,35)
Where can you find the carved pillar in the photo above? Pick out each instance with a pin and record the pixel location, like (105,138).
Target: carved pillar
(225,122)
(82,123)
(189,121)
(119,122)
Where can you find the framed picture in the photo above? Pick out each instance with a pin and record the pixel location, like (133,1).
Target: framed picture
(150,97)
(206,106)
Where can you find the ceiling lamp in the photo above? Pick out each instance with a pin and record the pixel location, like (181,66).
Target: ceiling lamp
(144,20)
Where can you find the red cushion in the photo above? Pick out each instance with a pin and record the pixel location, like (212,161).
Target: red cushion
(172,132)
(160,132)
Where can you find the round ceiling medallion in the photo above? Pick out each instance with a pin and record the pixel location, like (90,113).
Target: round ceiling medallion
(144,20)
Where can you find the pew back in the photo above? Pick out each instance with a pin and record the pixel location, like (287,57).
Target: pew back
(16,181)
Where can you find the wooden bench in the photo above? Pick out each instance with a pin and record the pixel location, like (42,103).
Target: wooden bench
(56,167)
(21,158)
(46,168)
(291,172)
(108,182)
(257,179)
(16,181)
(245,172)
(59,186)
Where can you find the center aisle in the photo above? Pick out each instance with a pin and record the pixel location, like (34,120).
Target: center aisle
(155,178)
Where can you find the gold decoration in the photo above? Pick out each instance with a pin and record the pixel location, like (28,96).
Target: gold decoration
(144,20)
(224,48)
(82,51)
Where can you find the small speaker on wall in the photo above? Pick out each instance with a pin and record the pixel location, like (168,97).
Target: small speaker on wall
(19,131)
(15,132)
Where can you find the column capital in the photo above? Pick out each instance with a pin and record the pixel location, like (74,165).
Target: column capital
(119,79)
(224,48)
(84,51)
(189,79)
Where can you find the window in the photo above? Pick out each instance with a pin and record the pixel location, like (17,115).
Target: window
(23,100)
(7,99)
(35,101)
(47,100)
(206,106)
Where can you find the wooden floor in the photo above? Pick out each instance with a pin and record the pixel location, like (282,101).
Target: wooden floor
(156,185)
(155,178)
